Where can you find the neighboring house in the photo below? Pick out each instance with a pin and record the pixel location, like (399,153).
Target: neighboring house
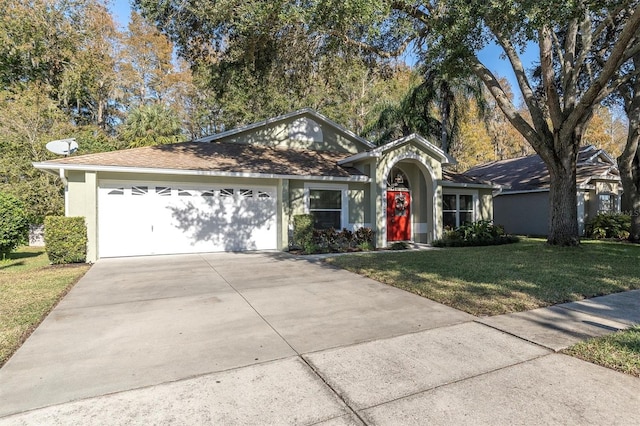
(521,205)
(239,190)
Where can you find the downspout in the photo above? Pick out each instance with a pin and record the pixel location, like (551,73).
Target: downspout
(65,182)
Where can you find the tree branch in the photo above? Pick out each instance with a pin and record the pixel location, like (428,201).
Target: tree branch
(549,78)
(616,57)
(530,99)
(504,103)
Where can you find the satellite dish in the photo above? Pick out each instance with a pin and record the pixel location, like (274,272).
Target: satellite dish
(63,146)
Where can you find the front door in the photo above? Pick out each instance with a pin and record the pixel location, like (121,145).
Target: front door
(398,216)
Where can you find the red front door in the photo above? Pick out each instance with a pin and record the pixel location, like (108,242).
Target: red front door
(398,216)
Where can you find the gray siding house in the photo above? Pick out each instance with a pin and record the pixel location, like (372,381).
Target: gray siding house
(521,204)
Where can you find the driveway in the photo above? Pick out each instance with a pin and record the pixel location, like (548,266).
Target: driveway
(272,339)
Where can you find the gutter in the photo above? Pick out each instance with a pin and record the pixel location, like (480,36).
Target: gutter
(177,172)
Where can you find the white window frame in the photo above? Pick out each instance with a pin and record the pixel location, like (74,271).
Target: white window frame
(613,202)
(475,202)
(344,200)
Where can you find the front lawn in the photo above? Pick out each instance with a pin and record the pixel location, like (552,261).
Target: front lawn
(29,289)
(619,351)
(495,280)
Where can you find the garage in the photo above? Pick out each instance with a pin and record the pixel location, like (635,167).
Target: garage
(147,218)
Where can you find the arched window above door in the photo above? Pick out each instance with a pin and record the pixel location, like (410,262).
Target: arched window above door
(397,179)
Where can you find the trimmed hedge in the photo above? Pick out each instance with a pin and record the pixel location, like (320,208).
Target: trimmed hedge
(65,239)
(14,225)
(303,231)
(609,225)
(481,233)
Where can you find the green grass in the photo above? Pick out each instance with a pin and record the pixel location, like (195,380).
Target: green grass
(619,351)
(29,289)
(495,280)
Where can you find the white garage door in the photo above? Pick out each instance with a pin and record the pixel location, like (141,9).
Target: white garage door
(150,218)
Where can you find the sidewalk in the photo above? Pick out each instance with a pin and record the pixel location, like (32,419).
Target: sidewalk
(558,327)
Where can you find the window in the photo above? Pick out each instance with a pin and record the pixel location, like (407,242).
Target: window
(457,209)
(226,193)
(139,190)
(163,191)
(606,203)
(326,207)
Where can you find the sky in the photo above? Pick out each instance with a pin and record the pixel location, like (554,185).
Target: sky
(489,56)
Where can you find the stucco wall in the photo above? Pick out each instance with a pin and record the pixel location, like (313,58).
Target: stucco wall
(422,170)
(523,214)
(485,201)
(300,132)
(82,200)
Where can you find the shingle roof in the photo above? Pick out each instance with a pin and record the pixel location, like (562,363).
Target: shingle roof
(220,157)
(530,173)
(449,176)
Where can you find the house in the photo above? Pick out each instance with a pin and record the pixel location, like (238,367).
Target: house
(521,204)
(239,190)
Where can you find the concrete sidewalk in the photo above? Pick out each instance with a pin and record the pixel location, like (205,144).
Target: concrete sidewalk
(270,339)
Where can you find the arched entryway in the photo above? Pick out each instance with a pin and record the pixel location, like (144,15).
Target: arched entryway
(398,206)
(408,188)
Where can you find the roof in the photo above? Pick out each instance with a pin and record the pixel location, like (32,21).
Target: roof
(461,178)
(530,173)
(376,152)
(213,157)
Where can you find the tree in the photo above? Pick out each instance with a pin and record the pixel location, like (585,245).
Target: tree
(88,84)
(150,125)
(629,160)
(605,131)
(14,226)
(146,65)
(30,118)
(259,59)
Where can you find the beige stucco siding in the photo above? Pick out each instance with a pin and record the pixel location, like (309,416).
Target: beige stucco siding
(304,133)
(485,204)
(82,200)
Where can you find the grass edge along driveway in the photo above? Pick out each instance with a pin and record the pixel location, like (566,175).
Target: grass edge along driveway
(29,289)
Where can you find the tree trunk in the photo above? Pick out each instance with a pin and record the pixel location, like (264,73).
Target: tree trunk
(563,198)
(629,166)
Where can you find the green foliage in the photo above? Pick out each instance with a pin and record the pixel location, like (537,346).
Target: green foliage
(481,233)
(14,226)
(609,225)
(312,240)
(303,232)
(150,125)
(65,239)
(332,241)
(399,245)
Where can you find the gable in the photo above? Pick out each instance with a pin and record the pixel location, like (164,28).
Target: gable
(300,130)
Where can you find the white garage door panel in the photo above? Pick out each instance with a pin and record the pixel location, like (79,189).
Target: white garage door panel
(163,219)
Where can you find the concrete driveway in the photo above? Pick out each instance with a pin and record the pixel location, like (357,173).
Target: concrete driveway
(272,339)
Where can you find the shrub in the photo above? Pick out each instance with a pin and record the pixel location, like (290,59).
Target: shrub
(364,237)
(14,225)
(481,233)
(65,239)
(399,245)
(609,225)
(329,240)
(303,232)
